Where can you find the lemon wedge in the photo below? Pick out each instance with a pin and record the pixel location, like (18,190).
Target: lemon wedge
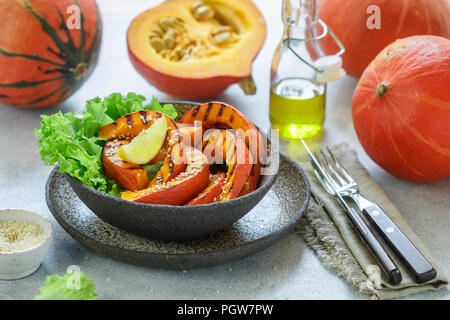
(146,145)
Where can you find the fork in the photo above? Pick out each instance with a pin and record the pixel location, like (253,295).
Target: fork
(346,186)
(357,222)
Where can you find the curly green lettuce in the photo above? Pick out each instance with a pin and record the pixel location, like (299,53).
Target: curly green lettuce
(72,140)
(72,286)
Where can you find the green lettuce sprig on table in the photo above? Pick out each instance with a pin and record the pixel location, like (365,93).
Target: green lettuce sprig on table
(73,285)
(72,140)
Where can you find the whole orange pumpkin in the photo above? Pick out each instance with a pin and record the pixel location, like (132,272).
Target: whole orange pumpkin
(48,49)
(401,108)
(355,24)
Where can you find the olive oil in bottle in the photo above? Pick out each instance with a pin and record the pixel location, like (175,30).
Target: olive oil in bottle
(297,107)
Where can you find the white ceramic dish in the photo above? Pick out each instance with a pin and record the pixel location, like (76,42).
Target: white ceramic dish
(19,264)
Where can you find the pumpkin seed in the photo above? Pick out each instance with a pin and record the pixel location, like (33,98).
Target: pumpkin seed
(157,43)
(166,23)
(176,54)
(169,41)
(223,29)
(187,52)
(173,32)
(203,13)
(197,4)
(165,53)
(179,52)
(153,34)
(222,37)
(177,22)
(156,29)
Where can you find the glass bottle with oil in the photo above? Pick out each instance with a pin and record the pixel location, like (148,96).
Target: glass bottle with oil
(299,72)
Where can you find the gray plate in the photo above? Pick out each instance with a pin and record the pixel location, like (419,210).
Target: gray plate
(272,218)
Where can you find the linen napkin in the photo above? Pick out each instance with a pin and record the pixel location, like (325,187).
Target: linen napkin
(328,231)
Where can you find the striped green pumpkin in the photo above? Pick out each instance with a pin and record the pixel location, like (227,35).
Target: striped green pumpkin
(48,49)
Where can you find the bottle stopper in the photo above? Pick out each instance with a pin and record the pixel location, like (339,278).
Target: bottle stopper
(331,68)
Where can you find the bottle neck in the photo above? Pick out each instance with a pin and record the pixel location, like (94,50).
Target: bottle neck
(296,33)
(300,14)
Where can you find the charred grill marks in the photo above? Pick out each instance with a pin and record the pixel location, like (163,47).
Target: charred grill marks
(143,115)
(128,119)
(222,107)
(208,109)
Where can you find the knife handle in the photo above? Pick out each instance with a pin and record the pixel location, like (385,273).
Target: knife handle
(423,271)
(375,248)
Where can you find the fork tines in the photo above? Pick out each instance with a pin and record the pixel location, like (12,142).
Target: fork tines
(334,168)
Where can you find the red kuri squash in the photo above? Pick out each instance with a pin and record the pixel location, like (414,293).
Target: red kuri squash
(401,108)
(352,21)
(48,49)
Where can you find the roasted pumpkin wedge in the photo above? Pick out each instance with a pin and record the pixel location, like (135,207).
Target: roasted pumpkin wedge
(175,161)
(178,191)
(222,146)
(212,191)
(130,125)
(191,135)
(221,115)
(127,175)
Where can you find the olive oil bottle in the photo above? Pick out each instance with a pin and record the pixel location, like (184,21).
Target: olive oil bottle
(299,72)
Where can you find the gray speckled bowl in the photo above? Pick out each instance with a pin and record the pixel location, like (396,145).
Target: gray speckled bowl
(164,222)
(271,219)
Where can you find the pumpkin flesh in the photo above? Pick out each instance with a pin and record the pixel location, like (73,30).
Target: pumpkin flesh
(127,175)
(130,125)
(217,114)
(180,190)
(225,147)
(212,191)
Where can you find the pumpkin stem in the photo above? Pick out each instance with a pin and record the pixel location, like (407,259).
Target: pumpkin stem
(381,89)
(248,85)
(80,70)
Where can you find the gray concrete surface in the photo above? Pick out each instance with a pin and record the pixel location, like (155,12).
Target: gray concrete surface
(287,270)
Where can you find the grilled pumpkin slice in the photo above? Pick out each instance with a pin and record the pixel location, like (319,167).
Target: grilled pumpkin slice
(128,175)
(222,146)
(191,134)
(178,191)
(130,125)
(221,115)
(212,191)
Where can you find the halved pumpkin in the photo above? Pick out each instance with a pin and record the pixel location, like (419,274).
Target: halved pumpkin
(182,188)
(221,146)
(128,175)
(196,49)
(212,191)
(221,115)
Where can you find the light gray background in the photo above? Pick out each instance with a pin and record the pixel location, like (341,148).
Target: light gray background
(287,270)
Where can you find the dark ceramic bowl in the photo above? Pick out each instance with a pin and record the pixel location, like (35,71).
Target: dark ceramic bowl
(164,222)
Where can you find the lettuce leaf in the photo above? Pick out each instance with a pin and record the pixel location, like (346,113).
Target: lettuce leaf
(72,140)
(72,286)
(152,169)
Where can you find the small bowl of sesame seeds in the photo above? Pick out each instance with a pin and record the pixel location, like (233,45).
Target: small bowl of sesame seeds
(25,240)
